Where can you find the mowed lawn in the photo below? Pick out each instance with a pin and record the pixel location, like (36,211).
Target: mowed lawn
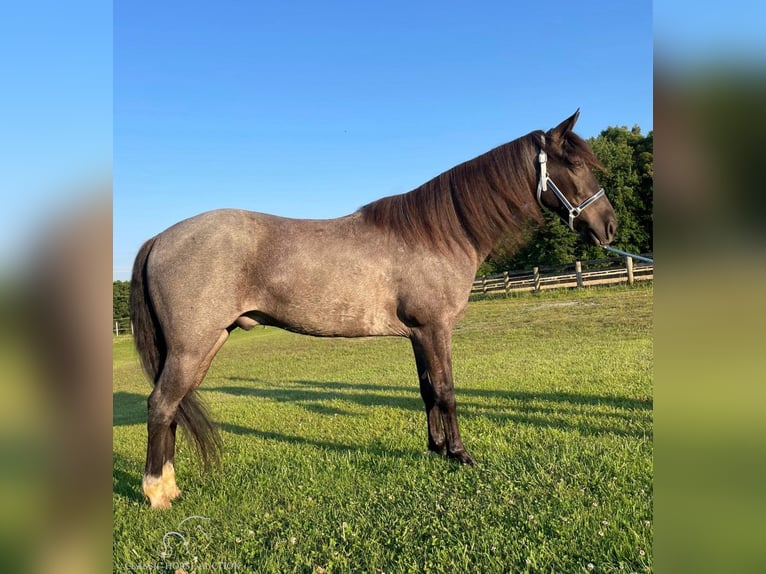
(325,468)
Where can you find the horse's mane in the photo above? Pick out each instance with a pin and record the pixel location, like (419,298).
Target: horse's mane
(473,202)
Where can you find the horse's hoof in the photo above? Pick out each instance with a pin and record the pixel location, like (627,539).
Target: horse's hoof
(154,492)
(462,457)
(162,503)
(158,501)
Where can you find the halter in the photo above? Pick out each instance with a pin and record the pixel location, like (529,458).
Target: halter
(546,181)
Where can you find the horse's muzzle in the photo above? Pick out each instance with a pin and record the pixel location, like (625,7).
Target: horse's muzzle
(605,235)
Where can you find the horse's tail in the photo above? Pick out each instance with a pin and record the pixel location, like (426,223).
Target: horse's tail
(147,333)
(152,351)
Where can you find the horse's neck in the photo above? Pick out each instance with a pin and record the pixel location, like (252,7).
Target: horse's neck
(521,218)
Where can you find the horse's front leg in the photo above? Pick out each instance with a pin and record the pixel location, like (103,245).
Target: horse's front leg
(436,440)
(435,346)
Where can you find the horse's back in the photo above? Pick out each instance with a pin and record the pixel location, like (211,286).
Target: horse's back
(331,277)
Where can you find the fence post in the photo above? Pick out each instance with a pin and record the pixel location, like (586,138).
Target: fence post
(629,265)
(578,273)
(506,281)
(484,284)
(536,278)
(117,328)
(132,332)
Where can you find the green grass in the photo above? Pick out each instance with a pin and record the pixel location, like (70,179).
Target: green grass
(325,470)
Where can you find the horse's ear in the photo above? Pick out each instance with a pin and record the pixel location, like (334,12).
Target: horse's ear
(558,133)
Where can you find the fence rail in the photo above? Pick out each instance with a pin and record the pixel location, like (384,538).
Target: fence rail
(577,274)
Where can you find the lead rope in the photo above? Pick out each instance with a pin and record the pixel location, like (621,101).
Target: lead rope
(625,253)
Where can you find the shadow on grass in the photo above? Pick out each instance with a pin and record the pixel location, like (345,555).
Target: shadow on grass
(128,409)
(579,399)
(376,393)
(587,414)
(313,395)
(126,479)
(332,446)
(562,410)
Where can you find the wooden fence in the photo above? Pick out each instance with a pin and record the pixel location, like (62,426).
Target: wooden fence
(577,274)
(122,327)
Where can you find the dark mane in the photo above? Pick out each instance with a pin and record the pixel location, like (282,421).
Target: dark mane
(473,202)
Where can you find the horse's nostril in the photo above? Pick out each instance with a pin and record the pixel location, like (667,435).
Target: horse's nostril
(611,228)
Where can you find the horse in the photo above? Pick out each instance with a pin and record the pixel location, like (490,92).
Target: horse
(400,266)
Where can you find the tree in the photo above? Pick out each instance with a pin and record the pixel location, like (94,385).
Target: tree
(628,179)
(120,300)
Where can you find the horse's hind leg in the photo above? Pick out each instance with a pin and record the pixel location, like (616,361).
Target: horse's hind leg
(160,490)
(161,411)
(168,468)
(181,374)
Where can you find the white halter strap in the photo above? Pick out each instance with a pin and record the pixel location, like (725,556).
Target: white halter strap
(545,182)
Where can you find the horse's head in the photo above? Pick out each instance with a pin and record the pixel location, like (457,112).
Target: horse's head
(567,186)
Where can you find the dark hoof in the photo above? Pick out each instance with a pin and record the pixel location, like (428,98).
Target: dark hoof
(462,457)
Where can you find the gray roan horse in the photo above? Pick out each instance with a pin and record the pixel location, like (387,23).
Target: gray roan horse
(402,265)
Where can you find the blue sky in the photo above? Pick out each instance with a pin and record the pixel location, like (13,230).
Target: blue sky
(312,109)
(301,109)
(55,115)
(687,37)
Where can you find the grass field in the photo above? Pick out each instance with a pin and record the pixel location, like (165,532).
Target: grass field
(325,470)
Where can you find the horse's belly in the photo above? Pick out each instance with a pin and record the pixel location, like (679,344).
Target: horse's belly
(333,315)
(331,325)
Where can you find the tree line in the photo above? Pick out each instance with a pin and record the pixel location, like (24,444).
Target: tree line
(120,302)
(627,177)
